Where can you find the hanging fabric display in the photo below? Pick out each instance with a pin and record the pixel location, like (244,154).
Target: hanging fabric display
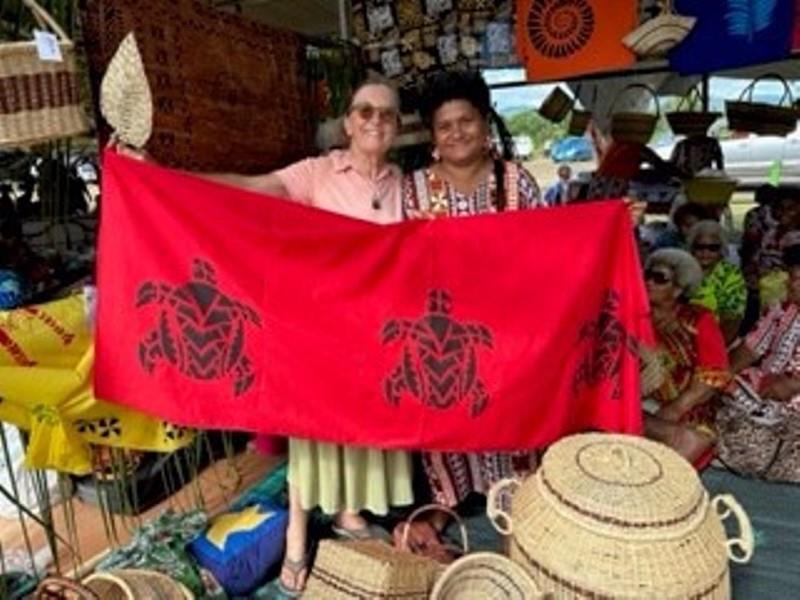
(46,359)
(733,33)
(564,38)
(404,39)
(227,309)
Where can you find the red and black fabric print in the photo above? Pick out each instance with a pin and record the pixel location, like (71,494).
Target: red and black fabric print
(559,28)
(200,330)
(605,341)
(439,365)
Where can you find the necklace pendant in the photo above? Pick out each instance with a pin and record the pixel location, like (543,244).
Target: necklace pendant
(376,203)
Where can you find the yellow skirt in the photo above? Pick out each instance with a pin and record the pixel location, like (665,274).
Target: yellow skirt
(337,478)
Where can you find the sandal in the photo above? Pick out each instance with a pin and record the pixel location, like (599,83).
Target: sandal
(296,569)
(369,532)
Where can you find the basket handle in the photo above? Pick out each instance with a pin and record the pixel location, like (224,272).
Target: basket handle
(54,587)
(432,508)
(787,91)
(499,518)
(633,86)
(724,505)
(45,19)
(691,98)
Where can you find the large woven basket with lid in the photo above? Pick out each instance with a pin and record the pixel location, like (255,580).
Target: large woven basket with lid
(613,516)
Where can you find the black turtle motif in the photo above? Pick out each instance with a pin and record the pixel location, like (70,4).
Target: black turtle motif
(606,341)
(439,365)
(200,330)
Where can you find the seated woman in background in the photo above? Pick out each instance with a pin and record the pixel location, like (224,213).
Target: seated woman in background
(684,217)
(723,290)
(759,422)
(691,351)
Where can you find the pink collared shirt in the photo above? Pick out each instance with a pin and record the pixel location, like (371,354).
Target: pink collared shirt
(331,183)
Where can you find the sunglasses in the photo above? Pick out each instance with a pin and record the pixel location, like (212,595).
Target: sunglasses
(657,277)
(366,111)
(707,247)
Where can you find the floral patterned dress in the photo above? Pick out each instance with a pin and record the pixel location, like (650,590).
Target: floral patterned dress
(452,476)
(691,348)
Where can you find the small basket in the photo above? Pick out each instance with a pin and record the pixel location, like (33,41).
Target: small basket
(579,120)
(485,576)
(709,191)
(39,99)
(634,127)
(136,584)
(374,569)
(61,588)
(762,118)
(556,106)
(691,122)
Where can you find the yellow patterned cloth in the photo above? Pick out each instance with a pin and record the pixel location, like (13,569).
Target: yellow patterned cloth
(46,359)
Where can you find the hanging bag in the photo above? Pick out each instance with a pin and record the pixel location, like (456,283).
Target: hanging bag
(39,99)
(759,117)
(686,120)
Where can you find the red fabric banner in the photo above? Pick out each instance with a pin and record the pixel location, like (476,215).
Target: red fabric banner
(565,38)
(220,308)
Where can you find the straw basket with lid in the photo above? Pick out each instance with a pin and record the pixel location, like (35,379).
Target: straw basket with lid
(614,516)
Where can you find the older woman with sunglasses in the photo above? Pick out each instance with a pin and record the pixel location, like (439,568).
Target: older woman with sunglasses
(357,182)
(723,290)
(691,352)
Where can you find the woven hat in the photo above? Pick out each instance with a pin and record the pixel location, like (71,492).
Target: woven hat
(656,37)
(623,517)
(485,576)
(125,98)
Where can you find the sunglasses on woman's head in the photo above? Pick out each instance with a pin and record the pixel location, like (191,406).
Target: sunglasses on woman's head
(658,277)
(366,111)
(707,247)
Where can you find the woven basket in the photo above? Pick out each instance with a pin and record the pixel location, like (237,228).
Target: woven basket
(689,121)
(61,588)
(39,99)
(485,576)
(136,584)
(374,569)
(579,119)
(636,127)
(759,117)
(556,106)
(709,191)
(657,36)
(624,517)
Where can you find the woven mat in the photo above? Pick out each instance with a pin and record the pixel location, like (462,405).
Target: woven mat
(229,95)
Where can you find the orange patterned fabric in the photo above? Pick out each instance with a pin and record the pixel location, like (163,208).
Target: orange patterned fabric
(564,38)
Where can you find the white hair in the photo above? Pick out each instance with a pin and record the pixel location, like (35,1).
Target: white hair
(683,265)
(708,228)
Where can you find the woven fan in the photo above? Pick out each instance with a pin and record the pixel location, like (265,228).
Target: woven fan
(656,37)
(125,99)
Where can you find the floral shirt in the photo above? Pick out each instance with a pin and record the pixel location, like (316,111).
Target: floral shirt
(691,348)
(427,195)
(723,291)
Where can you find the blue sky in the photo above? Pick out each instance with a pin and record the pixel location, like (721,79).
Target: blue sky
(509,100)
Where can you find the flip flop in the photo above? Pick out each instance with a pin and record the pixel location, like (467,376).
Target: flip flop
(370,532)
(296,568)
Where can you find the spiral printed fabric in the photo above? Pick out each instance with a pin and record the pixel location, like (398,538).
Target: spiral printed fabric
(557,39)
